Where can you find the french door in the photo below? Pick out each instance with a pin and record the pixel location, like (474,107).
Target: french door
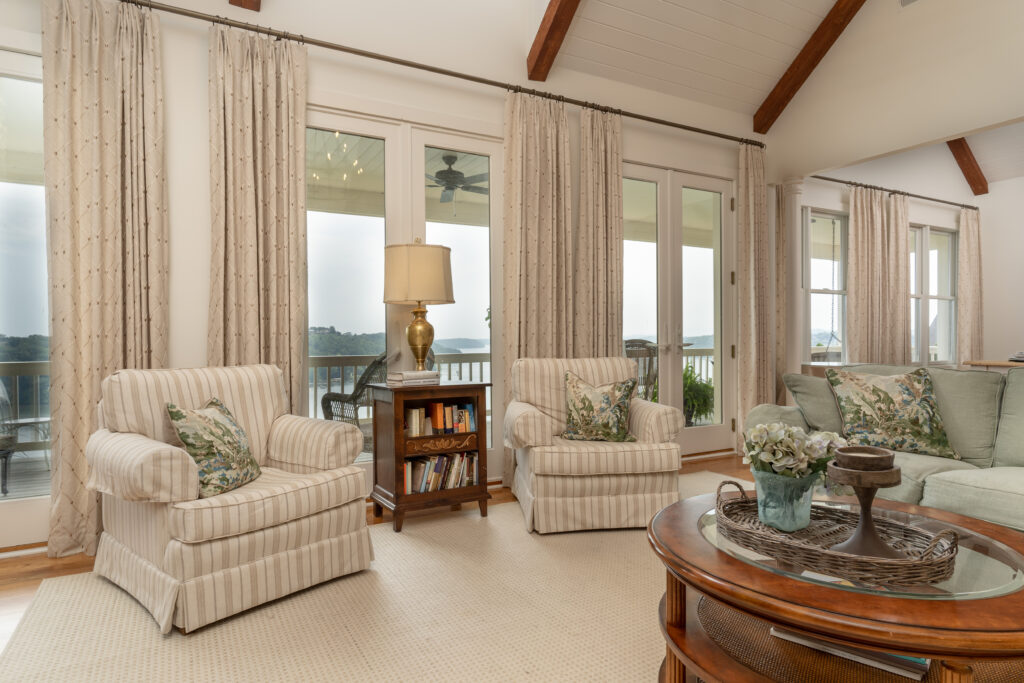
(678,296)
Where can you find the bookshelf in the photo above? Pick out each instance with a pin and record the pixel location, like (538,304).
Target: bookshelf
(463,476)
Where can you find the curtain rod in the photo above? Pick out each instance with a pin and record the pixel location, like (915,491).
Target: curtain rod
(892,191)
(171,9)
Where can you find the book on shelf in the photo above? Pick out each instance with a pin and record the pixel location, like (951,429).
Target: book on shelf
(417,424)
(915,668)
(440,472)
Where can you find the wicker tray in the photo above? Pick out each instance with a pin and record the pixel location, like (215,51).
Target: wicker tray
(930,557)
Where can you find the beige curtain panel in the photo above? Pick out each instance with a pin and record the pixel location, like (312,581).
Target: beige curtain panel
(538,271)
(598,278)
(878,279)
(258,205)
(780,293)
(106,229)
(755,353)
(968,288)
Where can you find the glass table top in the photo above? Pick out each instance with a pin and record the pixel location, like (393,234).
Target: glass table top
(984,568)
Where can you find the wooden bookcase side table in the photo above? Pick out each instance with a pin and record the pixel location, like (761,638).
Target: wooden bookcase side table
(391,447)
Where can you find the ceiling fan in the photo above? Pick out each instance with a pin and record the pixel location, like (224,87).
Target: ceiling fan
(452,180)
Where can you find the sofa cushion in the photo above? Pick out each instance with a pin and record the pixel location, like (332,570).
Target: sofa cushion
(275,498)
(915,468)
(995,494)
(541,381)
(136,400)
(816,401)
(603,457)
(1009,449)
(891,411)
(218,444)
(969,402)
(597,413)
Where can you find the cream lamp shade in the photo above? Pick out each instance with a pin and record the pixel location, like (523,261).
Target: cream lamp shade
(418,274)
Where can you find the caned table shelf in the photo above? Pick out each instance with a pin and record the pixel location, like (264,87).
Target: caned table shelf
(392,447)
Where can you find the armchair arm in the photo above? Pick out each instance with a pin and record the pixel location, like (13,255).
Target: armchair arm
(654,422)
(305,444)
(526,426)
(134,467)
(766,413)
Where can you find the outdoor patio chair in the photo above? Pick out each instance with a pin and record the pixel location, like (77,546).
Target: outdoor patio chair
(645,353)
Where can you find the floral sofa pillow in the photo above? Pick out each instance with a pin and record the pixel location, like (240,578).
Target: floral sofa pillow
(218,444)
(597,413)
(891,411)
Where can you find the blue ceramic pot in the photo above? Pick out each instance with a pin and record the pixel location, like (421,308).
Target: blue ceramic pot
(784,503)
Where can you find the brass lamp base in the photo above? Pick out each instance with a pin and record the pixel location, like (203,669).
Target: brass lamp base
(420,334)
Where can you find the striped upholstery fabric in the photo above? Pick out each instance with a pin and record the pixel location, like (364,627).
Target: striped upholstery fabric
(275,497)
(136,400)
(567,457)
(320,444)
(541,381)
(155,590)
(192,561)
(134,467)
(186,561)
(654,422)
(527,426)
(565,485)
(210,597)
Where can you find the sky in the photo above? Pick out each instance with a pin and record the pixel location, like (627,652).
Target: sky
(23,292)
(640,291)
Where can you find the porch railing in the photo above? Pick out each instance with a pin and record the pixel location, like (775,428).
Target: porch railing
(340,373)
(27,385)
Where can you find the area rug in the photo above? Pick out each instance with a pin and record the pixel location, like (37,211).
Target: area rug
(453,597)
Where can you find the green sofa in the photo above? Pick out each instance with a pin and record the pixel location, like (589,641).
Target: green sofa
(984,417)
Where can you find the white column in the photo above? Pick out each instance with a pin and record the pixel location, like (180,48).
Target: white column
(797,299)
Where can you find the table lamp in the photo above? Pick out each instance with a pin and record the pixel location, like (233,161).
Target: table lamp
(418,274)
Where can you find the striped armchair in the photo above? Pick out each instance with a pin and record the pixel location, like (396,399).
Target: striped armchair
(191,561)
(565,485)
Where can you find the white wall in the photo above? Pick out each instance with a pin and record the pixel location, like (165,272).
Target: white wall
(1002,244)
(899,78)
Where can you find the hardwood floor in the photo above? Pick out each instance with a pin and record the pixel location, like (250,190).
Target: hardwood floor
(20,576)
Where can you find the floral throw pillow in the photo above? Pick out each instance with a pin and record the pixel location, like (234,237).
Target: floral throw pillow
(898,411)
(218,444)
(597,413)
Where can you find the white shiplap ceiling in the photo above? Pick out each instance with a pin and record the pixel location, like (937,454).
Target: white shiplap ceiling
(1000,151)
(727,53)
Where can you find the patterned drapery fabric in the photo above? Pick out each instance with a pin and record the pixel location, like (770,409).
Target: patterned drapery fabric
(755,355)
(598,253)
(258,205)
(106,229)
(538,241)
(968,288)
(878,278)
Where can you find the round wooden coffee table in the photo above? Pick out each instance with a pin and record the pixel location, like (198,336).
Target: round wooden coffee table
(721,600)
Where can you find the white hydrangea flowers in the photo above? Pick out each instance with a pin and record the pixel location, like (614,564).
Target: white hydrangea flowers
(789,451)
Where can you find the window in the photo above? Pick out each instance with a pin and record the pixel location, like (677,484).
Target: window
(345,242)
(640,281)
(24,310)
(458,215)
(932,295)
(825,269)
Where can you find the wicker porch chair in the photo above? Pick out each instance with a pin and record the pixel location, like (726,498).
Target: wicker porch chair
(8,436)
(345,407)
(645,353)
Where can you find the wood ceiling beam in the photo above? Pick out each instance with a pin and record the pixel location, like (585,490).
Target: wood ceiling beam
(828,31)
(254,5)
(969,165)
(547,43)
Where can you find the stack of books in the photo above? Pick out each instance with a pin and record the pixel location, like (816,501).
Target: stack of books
(440,472)
(413,378)
(438,418)
(1017,357)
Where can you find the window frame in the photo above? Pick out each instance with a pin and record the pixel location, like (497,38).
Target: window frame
(844,235)
(924,298)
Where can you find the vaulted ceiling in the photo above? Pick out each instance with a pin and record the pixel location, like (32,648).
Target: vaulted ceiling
(728,53)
